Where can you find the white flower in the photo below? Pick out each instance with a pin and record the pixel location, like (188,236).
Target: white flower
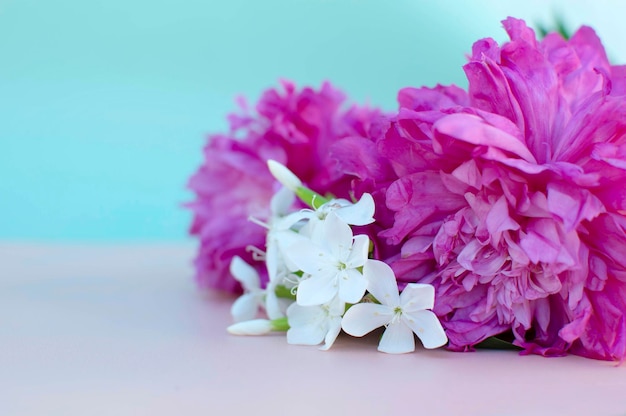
(278,229)
(275,306)
(247,305)
(402,314)
(310,325)
(331,257)
(280,232)
(360,213)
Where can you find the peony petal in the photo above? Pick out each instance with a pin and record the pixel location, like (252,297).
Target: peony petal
(363,318)
(483,260)
(415,245)
(475,130)
(381,282)
(406,144)
(489,89)
(590,54)
(397,339)
(572,204)
(468,255)
(360,158)
(439,97)
(417,199)
(469,174)
(541,243)
(498,220)
(427,328)
(618,73)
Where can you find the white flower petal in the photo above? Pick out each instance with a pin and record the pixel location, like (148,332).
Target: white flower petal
(306,325)
(298,315)
(363,318)
(313,228)
(245,274)
(307,256)
(359,251)
(352,285)
(336,237)
(312,335)
(283,175)
(333,331)
(282,201)
(361,213)
(381,282)
(427,328)
(397,339)
(336,307)
(417,297)
(274,307)
(335,204)
(245,307)
(288,221)
(271,260)
(285,240)
(316,290)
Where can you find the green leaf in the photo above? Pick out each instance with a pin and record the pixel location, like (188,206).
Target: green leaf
(558,26)
(493,343)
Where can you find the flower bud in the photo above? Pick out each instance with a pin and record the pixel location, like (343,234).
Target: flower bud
(283,175)
(253,327)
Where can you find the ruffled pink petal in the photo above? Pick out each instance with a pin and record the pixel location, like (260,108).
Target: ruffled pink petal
(438,98)
(417,198)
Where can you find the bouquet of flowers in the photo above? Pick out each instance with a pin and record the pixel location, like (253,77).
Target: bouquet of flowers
(496,213)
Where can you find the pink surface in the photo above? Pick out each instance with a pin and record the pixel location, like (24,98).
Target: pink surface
(121,330)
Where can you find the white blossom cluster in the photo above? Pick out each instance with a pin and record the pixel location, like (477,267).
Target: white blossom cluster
(321,279)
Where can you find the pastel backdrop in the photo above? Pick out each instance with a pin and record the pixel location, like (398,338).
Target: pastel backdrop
(105,105)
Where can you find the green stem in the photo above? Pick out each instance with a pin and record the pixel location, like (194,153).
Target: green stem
(280,324)
(311,198)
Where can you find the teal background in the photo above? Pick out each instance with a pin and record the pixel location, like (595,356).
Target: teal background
(105,105)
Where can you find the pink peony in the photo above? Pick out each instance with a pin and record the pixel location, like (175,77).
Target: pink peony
(511,199)
(298,128)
